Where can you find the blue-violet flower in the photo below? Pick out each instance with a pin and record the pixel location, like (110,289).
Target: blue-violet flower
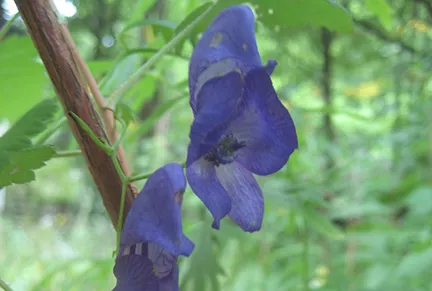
(240,126)
(152,237)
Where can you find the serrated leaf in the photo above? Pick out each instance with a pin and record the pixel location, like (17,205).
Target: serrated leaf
(321,223)
(22,78)
(382,10)
(32,123)
(21,163)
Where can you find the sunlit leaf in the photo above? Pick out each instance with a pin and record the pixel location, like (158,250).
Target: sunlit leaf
(204,264)
(28,126)
(21,163)
(124,113)
(279,14)
(22,78)
(382,10)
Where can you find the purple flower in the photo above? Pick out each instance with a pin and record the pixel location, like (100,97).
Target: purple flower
(240,127)
(152,237)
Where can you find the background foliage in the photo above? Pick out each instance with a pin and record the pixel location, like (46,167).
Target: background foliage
(350,211)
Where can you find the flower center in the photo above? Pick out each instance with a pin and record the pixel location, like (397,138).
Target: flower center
(224,152)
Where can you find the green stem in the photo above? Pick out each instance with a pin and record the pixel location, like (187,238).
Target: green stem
(118,168)
(119,139)
(48,133)
(66,154)
(120,218)
(117,94)
(5,286)
(7,26)
(139,177)
(145,176)
(87,129)
(153,51)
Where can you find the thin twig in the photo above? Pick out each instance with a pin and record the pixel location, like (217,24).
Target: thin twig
(5,286)
(67,154)
(7,26)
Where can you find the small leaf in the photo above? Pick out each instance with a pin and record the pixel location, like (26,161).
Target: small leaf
(124,113)
(22,79)
(166,28)
(287,14)
(382,10)
(32,123)
(204,264)
(20,165)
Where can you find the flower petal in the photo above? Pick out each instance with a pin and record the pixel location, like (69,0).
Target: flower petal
(265,126)
(202,179)
(228,44)
(247,203)
(135,273)
(155,214)
(218,100)
(270,66)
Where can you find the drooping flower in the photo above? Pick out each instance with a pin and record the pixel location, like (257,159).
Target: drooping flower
(152,237)
(240,126)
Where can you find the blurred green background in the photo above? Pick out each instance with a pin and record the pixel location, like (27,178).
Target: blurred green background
(350,211)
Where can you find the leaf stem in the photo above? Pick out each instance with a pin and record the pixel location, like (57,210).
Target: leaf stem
(117,94)
(87,129)
(7,26)
(5,286)
(120,218)
(66,154)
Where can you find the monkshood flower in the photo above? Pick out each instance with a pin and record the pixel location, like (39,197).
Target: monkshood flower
(152,237)
(240,127)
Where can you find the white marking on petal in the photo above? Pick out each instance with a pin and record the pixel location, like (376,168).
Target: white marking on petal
(126,251)
(217,69)
(138,248)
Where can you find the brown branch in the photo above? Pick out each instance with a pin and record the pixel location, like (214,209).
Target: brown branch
(50,41)
(107,114)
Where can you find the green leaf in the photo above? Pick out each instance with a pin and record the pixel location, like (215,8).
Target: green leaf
(124,113)
(284,14)
(22,78)
(321,223)
(32,123)
(98,68)
(140,8)
(414,263)
(382,10)
(165,27)
(21,163)
(204,264)
(287,14)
